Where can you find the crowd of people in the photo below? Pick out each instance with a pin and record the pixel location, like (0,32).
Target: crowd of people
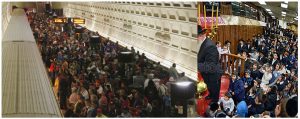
(269,87)
(90,80)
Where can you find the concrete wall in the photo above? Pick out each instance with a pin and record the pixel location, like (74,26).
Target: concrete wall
(6,14)
(24,4)
(57,5)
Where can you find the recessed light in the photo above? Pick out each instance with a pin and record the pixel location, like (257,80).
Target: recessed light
(284,5)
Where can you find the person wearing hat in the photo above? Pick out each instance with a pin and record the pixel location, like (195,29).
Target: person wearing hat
(208,65)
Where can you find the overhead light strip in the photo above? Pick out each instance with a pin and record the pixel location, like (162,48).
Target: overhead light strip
(262,2)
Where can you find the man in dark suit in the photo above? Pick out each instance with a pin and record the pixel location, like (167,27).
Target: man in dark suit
(274,61)
(209,66)
(262,59)
(240,46)
(247,47)
(263,49)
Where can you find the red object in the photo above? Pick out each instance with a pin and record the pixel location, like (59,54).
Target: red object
(202,104)
(51,69)
(99,110)
(200,78)
(225,82)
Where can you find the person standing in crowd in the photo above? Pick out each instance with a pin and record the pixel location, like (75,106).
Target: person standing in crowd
(173,72)
(208,65)
(247,47)
(240,46)
(219,47)
(63,85)
(167,104)
(228,44)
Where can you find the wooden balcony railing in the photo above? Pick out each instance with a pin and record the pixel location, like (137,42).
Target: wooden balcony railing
(233,63)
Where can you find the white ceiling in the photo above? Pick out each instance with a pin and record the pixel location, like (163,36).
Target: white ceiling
(275,7)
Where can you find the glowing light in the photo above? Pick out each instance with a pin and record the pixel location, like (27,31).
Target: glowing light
(185,83)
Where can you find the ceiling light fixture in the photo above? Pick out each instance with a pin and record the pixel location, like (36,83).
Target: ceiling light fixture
(268,10)
(283,12)
(262,2)
(284,5)
(286,1)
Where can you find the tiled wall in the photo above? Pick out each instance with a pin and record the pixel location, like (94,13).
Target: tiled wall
(166,32)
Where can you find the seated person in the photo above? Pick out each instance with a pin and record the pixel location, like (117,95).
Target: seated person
(227,103)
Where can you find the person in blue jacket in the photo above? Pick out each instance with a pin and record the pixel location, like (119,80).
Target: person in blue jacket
(248,81)
(241,109)
(237,89)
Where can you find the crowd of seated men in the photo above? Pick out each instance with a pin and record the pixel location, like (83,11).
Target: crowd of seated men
(89,80)
(269,87)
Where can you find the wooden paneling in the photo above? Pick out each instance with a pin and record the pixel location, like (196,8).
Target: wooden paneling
(226,9)
(234,33)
